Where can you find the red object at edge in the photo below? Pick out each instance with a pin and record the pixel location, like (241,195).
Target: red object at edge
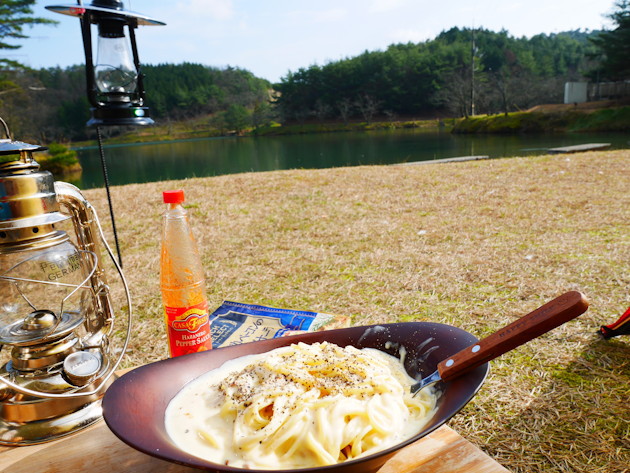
(620,327)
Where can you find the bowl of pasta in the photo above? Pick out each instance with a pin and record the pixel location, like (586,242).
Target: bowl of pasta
(336,400)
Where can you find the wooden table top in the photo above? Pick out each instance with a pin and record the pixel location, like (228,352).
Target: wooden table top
(97,450)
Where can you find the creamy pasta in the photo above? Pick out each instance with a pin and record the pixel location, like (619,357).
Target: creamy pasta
(298,406)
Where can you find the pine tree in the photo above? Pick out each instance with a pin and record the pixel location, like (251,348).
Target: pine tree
(614,45)
(14,15)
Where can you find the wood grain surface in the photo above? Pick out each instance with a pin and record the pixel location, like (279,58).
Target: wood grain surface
(97,450)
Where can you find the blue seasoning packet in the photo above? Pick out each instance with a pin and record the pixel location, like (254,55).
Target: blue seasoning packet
(234,323)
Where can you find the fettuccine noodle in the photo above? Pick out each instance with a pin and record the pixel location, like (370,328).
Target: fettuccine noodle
(298,406)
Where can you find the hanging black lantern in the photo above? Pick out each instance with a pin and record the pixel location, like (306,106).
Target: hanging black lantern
(114,81)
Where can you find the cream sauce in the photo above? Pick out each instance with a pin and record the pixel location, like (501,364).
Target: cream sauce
(194,422)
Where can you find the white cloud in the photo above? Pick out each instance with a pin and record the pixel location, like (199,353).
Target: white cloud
(378,6)
(333,14)
(410,35)
(318,16)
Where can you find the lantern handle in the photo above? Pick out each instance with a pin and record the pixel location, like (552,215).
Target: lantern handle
(6,128)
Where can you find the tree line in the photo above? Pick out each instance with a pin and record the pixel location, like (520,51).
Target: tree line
(462,71)
(51,104)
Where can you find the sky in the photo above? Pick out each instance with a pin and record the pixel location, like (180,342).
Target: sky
(272,37)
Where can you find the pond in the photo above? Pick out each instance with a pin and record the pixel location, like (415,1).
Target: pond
(150,162)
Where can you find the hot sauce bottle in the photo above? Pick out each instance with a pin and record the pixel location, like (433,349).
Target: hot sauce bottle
(182,282)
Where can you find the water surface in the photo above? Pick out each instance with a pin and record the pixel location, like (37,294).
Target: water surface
(150,162)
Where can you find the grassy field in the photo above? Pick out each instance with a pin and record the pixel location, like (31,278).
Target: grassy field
(473,244)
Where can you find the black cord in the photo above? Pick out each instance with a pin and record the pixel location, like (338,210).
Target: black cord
(109,197)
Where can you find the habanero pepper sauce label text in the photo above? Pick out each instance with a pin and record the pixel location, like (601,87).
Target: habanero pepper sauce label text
(188,329)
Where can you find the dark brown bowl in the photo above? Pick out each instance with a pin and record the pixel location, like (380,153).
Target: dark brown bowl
(134,405)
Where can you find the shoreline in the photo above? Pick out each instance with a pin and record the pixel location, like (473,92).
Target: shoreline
(540,119)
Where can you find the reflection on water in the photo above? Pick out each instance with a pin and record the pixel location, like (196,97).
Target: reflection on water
(215,156)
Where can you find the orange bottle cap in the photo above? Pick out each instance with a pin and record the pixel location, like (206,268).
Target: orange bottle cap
(173,197)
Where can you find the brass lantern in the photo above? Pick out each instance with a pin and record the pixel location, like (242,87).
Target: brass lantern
(56,311)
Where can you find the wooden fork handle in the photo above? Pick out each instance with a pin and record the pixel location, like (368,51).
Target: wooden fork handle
(547,317)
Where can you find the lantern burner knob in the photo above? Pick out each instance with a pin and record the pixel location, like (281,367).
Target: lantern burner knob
(39,319)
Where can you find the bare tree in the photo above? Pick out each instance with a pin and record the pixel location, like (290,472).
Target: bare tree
(321,110)
(368,106)
(345,109)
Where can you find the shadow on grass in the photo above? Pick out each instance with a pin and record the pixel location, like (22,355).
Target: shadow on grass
(580,419)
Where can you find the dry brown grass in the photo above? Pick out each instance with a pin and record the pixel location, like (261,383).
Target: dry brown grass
(471,244)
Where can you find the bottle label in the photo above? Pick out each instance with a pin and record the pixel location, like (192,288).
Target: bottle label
(188,329)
